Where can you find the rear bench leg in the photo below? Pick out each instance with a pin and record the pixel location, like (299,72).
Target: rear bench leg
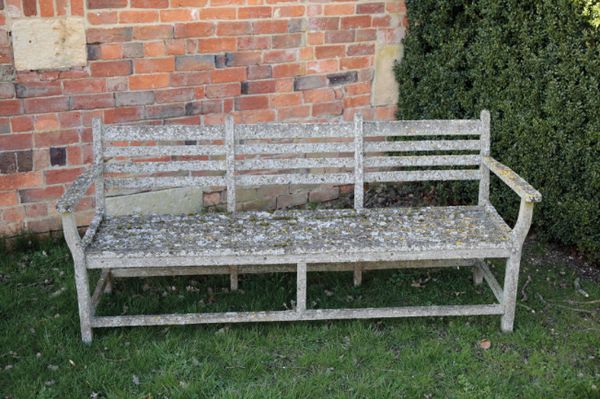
(511,282)
(301,287)
(358,275)
(233,278)
(477,274)
(109,283)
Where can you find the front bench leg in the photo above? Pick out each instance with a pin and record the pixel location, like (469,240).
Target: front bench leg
(82,286)
(301,287)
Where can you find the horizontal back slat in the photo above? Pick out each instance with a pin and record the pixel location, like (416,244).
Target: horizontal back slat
(422,175)
(162,133)
(294,163)
(166,181)
(293,130)
(423,128)
(427,145)
(171,166)
(160,150)
(325,178)
(293,148)
(423,160)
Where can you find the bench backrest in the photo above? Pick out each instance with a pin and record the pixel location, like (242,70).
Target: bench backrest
(147,157)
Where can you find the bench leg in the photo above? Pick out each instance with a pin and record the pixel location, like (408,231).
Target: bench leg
(233,278)
(358,272)
(84,301)
(301,287)
(477,275)
(109,283)
(511,282)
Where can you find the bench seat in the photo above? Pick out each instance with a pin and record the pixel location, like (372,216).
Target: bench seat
(301,232)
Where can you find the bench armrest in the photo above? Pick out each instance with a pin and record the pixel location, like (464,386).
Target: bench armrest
(76,191)
(513,180)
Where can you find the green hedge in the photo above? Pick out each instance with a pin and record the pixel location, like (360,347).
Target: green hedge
(536,66)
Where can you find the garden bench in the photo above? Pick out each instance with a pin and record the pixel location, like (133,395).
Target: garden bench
(230,156)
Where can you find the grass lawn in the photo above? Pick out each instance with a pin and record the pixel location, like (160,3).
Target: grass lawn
(553,353)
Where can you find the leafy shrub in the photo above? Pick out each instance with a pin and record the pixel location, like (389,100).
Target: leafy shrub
(536,66)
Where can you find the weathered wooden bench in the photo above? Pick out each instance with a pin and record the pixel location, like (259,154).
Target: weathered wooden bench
(232,156)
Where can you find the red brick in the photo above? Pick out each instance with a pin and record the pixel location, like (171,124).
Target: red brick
(288,11)
(217,45)
(41,194)
(287,41)
(110,35)
(189,78)
(358,88)
(361,49)
(254,12)
(361,21)
(46,122)
(92,101)
(15,141)
(251,102)
(365,35)
(288,70)
(44,225)
(110,68)
(268,26)
(120,115)
(351,102)
(46,104)
(355,63)
(328,109)
(98,4)
(382,21)
(286,100)
(152,32)
(223,90)
(29,8)
(14,214)
(217,3)
(176,15)
(102,18)
(370,8)
(298,112)
(174,95)
(111,51)
(259,72)
(81,86)
(36,210)
(236,28)
(20,180)
(228,75)
(217,13)
(69,119)
(7,90)
(319,95)
(10,107)
(323,66)
(245,58)
(141,82)
(338,9)
(154,65)
(339,36)
(149,3)
(254,43)
(195,62)
(256,116)
(21,123)
(280,56)
(8,198)
(196,29)
(258,87)
(145,16)
(324,23)
(46,8)
(65,175)
(56,139)
(329,51)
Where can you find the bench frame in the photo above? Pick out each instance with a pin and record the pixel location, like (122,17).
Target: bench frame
(301,265)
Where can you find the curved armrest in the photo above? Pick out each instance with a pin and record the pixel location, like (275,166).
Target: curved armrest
(513,180)
(76,191)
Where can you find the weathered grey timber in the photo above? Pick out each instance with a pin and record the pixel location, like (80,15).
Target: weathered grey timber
(141,158)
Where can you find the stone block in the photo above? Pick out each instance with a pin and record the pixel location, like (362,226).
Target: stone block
(385,87)
(46,43)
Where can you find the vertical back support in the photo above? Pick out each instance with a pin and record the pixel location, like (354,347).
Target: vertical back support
(99,163)
(484,183)
(230,161)
(358,162)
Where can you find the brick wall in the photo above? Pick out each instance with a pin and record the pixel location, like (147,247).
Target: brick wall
(178,61)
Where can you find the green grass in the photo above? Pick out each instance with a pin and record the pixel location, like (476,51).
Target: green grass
(553,353)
